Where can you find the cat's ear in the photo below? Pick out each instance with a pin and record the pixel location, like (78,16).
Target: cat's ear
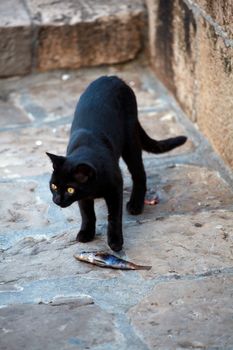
(57,161)
(84,173)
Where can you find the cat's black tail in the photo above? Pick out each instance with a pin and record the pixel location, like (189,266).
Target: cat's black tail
(153,146)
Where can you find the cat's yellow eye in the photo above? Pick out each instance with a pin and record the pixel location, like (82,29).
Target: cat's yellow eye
(54,187)
(70,190)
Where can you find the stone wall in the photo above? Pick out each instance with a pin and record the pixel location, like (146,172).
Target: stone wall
(191,51)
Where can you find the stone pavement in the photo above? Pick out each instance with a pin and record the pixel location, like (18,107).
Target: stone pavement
(48,299)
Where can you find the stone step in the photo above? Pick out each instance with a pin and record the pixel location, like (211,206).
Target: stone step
(41,35)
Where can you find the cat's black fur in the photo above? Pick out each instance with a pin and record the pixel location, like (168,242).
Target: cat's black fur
(105,128)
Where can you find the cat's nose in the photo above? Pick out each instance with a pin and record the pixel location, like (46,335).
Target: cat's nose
(57,200)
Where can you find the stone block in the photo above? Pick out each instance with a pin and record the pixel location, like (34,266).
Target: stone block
(175,246)
(29,158)
(65,326)
(86,33)
(188,314)
(172,32)
(21,207)
(10,115)
(182,245)
(183,189)
(163,125)
(15,39)
(193,56)
(221,12)
(53,97)
(214,101)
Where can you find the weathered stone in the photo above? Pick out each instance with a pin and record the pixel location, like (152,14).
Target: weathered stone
(183,189)
(21,206)
(51,327)
(192,55)
(51,100)
(15,39)
(161,38)
(50,97)
(187,315)
(214,100)
(172,43)
(80,33)
(175,246)
(187,237)
(38,258)
(220,11)
(194,244)
(10,115)
(29,157)
(162,126)
(184,57)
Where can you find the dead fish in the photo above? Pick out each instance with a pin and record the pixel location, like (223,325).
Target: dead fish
(107,260)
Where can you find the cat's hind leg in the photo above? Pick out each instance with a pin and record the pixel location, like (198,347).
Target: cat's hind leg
(132,155)
(87,231)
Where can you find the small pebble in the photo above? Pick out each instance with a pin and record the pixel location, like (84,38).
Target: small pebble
(219,227)
(132,83)
(38,143)
(65,77)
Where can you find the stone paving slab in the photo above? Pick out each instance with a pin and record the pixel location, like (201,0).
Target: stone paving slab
(51,97)
(183,244)
(12,114)
(178,245)
(163,125)
(190,314)
(29,158)
(183,302)
(64,326)
(27,205)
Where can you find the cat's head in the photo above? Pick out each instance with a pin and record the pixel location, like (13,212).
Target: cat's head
(70,181)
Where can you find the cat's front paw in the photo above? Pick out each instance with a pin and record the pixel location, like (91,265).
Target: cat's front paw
(115,244)
(85,236)
(134,208)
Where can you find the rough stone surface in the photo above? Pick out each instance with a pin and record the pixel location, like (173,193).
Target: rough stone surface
(50,300)
(15,39)
(86,33)
(215,80)
(172,41)
(190,44)
(184,56)
(63,326)
(46,34)
(221,12)
(187,315)
(163,125)
(9,114)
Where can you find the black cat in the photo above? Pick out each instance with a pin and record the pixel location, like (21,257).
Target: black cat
(105,128)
